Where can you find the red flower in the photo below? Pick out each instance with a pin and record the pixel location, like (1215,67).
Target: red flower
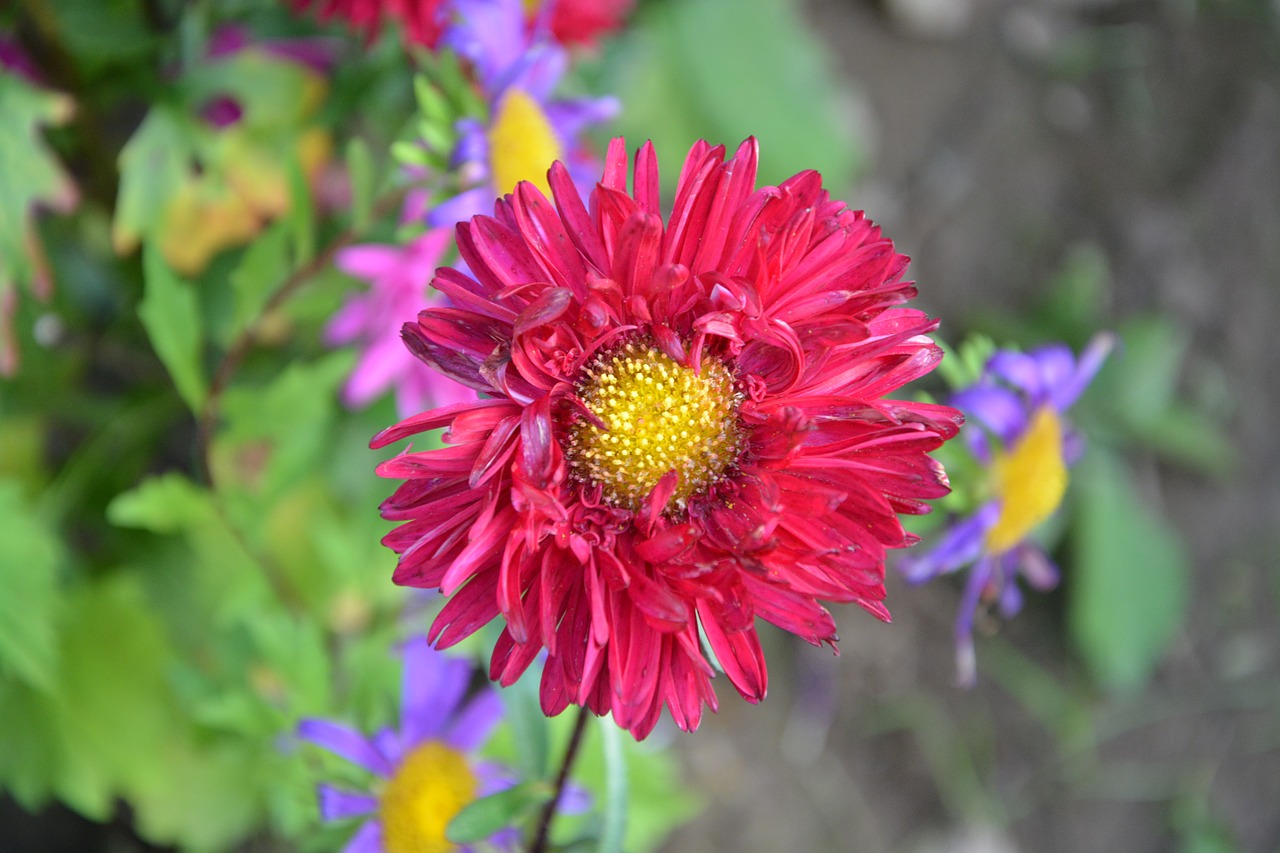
(583,21)
(422,19)
(684,430)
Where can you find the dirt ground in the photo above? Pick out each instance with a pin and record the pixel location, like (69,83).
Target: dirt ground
(1008,131)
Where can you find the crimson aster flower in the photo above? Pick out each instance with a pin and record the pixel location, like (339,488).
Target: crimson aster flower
(684,428)
(1020,436)
(584,21)
(427,770)
(423,20)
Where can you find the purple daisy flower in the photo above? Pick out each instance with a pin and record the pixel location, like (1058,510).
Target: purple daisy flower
(517,66)
(1027,447)
(427,769)
(398,290)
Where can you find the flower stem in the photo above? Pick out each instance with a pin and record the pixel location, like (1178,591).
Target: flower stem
(207,421)
(540,840)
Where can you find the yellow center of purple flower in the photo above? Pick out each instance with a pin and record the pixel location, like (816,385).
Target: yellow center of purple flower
(1030,481)
(431,785)
(661,416)
(522,144)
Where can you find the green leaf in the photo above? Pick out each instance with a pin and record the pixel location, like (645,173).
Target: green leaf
(614,826)
(1148,369)
(168,312)
(1128,586)
(116,713)
(482,818)
(679,85)
(29,558)
(30,174)
(30,764)
(153,164)
(230,582)
(103,32)
(168,503)
(210,796)
(125,729)
(361,172)
(301,215)
(292,415)
(260,272)
(271,91)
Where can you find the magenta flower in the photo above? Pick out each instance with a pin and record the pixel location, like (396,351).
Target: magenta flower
(684,434)
(398,290)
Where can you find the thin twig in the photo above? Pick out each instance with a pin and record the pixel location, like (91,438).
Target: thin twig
(244,341)
(549,811)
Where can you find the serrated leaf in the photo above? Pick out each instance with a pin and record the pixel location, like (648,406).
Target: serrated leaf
(30,765)
(172,319)
(168,503)
(30,174)
(116,710)
(487,815)
(209,798)
(29,557)
(229,578)
(153,165)
(292,414)
(1128,586)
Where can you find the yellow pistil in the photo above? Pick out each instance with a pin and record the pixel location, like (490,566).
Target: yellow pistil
(1030,481)
(522,144)
(431,785)
(661,417)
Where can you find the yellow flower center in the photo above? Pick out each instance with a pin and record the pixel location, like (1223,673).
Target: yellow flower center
(661,417)
(432,785)
(522,144)
(1030,481)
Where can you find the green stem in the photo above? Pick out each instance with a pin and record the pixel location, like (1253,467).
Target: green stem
(243,342)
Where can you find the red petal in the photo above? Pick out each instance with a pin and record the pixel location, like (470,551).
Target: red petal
(739,654)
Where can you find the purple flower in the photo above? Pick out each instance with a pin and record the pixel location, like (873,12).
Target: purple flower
(517,67)
(427,769)
(1017,431)
(398,290)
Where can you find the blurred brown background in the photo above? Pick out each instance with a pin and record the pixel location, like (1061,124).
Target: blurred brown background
(1008,134)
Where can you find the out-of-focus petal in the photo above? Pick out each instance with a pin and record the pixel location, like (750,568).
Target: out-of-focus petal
(368,839)
(336,804)
(433,686)
(346,742)
(960,545)
(474,724)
